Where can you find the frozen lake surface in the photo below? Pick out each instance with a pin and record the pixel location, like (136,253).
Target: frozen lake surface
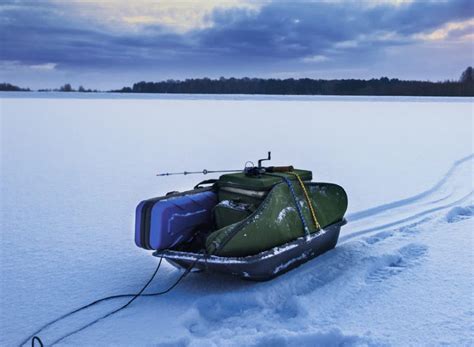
(73,168)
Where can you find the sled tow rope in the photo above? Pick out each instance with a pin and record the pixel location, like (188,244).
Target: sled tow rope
(35,338)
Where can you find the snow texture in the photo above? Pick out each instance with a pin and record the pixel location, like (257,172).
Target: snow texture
(234,205)
(281,216)
(73,169)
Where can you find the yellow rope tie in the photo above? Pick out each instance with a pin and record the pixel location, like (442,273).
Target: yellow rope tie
(308,200)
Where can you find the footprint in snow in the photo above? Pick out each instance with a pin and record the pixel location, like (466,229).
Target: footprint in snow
(458,213)
(403,231)
(371,240)
(216,309)
(334,337)
(390,265)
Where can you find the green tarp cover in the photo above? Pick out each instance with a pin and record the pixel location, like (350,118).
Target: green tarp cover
(276,221)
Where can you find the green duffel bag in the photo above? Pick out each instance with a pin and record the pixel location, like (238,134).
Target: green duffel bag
(276,220)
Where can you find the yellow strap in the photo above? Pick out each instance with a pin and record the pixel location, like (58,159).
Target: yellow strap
(308,200)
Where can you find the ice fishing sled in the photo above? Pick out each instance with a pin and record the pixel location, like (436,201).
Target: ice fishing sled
(257,223)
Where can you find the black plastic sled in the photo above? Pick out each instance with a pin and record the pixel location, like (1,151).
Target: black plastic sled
(262,266)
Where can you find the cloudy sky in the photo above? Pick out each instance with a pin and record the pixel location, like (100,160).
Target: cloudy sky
(112,43)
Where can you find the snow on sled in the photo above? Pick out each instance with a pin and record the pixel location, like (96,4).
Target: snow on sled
(257,223)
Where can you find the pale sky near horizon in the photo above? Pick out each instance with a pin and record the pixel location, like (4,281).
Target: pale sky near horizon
(114,43)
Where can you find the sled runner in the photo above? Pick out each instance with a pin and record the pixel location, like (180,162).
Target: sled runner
(264,265)
(257,223)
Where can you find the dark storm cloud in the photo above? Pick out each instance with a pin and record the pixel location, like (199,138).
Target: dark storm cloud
(284,30)
(421,15)
(45,33)
(39,33)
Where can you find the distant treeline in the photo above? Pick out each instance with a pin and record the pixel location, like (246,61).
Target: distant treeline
(68,88)
(304,86)
(307,86)
(7,87)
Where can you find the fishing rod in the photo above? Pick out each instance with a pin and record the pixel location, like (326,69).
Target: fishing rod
(249,169)
(203,172)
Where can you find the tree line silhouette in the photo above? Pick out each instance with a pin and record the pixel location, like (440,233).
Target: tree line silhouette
(68,88)
(307,86)
(7,87)
(303,86)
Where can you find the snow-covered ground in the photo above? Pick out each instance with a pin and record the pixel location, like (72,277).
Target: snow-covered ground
(73,168)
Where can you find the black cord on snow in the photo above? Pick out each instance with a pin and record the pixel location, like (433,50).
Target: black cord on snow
(35,338)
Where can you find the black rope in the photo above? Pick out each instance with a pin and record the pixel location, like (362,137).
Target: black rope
(34,339)
(34,336)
